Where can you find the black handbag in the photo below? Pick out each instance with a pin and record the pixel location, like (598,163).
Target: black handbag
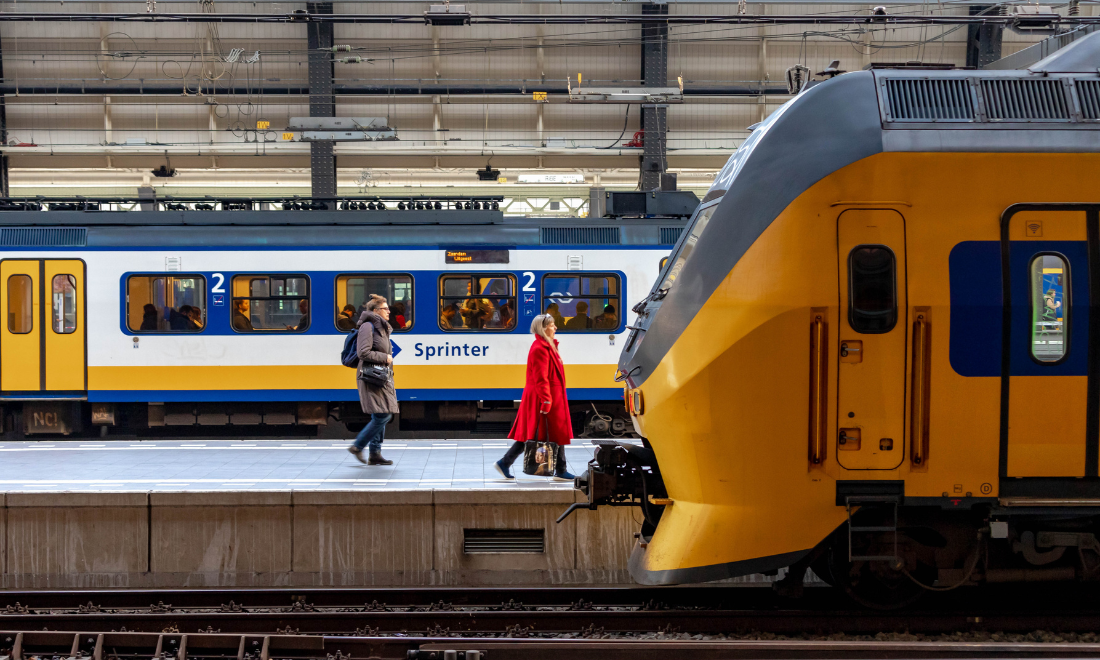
(375,374)
(540,457)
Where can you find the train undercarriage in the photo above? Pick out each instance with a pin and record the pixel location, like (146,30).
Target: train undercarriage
(889,553)
(429,419)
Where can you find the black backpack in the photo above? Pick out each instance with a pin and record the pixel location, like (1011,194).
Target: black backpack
(349,357)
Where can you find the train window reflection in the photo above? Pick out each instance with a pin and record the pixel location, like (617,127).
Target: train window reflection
(353,292)
(1049,288)
(63,317)
(694,233)
(20,304)
(872,289)
(477,302)
(582,303)
(270,303)
(161,303)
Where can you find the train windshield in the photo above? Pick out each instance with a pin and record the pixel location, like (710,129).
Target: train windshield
(722,184)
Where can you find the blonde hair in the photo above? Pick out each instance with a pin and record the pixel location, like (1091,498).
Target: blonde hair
(375,302)
(538,328)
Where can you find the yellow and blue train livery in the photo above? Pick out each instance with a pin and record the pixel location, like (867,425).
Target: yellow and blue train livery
(873,351)
(170,318)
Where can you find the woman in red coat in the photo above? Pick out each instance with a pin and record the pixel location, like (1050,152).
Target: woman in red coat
(544,408)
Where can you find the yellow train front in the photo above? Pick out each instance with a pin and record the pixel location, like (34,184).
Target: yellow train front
(872,353)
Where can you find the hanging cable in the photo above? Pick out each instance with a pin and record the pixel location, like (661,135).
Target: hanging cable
(626,120)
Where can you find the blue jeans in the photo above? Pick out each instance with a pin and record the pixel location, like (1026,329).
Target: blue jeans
(373,433)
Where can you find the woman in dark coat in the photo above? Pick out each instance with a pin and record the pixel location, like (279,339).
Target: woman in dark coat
(373,345)
(544,407)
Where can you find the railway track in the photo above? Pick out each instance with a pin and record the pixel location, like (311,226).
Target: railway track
(534,611)
(207,646)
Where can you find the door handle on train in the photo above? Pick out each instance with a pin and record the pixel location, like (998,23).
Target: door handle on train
(851,351)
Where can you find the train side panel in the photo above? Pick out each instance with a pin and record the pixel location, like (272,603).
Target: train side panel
(747,497)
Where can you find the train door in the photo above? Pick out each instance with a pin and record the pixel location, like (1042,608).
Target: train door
(1048,278)
(42,341)
(872,340)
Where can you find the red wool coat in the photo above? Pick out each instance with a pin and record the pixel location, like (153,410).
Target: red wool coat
(544,391)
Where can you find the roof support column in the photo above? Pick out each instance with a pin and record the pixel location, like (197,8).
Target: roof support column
(4,190)
(322,101)
(654,159)
(983,41)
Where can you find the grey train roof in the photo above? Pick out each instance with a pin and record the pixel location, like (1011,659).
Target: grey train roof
(321,229)
(1081,56)
(835,123)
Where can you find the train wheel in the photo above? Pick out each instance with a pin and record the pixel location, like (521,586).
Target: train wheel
(876,585)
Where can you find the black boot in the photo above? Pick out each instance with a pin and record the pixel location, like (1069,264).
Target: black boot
(375,458)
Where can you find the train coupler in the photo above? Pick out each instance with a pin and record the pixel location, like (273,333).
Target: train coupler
(621,474)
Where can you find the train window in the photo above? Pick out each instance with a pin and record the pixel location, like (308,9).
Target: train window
(64,304)
(270,303)
(20,304)
(688,246)
(353,292)
(582,303)
(483,301)
(872,289)
(1049,307)
(162,303)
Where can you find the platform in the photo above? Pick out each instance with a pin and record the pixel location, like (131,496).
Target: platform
(220,513)
(202,465)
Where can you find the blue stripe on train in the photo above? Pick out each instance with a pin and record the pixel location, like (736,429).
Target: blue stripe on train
(977,306)
(196,396)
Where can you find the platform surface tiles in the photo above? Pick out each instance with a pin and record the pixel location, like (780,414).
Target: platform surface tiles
(203,465)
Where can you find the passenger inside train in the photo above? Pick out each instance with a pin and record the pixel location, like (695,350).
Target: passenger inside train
(581,320)
(449,318)
(608,320)
(346,319)
(156,303)
(242,321)
(480,303)
(570,299)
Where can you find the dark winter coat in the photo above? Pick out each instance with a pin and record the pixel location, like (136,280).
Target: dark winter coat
(373,345)
(544,408)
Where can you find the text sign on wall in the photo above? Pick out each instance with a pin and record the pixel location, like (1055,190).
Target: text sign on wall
(477,256)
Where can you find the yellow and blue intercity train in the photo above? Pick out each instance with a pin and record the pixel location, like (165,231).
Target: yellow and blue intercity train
(873,353)
(224,315)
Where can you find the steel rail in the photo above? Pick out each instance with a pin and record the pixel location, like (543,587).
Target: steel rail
(528,19)
(704,610)
(624,621)
(20,644)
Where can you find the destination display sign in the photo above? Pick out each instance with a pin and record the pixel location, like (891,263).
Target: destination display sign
(477,256)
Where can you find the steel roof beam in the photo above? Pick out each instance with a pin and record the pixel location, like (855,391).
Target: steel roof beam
(528,19)
(145,89)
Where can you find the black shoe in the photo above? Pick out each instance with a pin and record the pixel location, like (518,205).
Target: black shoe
(358,453)
(376,458)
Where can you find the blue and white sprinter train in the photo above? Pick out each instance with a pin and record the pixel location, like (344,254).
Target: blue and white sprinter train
(169,318)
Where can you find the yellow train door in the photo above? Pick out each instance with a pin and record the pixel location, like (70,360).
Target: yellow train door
(872,340)
(1048,298)
(42,341)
